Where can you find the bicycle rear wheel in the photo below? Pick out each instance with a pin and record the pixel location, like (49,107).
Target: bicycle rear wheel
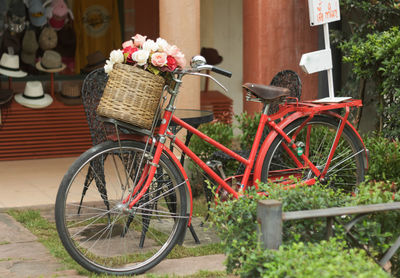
(347,167)
(99,230)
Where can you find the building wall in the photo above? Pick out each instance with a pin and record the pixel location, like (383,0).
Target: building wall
(221,28)
(256,38)
(275,35)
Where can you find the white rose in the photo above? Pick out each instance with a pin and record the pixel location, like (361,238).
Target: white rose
(108,67)
(150,46)
(117,56)
(162,44)
(141,56)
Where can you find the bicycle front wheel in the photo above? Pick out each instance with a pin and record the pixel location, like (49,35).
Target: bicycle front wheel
(96,225)
(346,169)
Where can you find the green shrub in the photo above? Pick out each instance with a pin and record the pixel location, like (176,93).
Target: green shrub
(377,57)
(236,219)
(378,231)
(306,198)
(248,125)
(222,133)
(366,16)
(384,159)
(313,260)
(236,223)
(371,47)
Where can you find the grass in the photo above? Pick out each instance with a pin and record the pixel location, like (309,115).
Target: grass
(200,274)
(47,234)
(200,208)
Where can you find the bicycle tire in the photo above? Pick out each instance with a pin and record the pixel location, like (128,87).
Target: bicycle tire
(93,226)
(347,168)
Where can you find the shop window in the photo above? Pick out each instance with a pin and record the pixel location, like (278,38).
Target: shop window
(68,38)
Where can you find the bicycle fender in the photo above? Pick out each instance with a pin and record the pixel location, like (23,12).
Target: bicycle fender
(267,143)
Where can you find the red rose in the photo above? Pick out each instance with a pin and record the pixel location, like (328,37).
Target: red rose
(129,50)
(171,63)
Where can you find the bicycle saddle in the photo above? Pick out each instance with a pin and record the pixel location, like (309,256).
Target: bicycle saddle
(266,92)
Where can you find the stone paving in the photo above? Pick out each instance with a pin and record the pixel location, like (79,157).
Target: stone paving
(21,255)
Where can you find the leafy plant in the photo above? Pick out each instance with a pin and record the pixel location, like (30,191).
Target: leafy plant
(221,132)
(236,224)
(236,219)
(384,159)
(369,45)
(324,259)
(377,57)
(248,125)
(367,16)
(377,232)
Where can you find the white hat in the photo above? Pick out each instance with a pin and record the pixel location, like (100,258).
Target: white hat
(33,96)
(9,66)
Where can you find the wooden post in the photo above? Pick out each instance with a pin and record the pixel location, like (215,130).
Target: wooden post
(329,230)
(269,215)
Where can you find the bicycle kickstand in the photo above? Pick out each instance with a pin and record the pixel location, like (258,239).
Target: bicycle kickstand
(193,232)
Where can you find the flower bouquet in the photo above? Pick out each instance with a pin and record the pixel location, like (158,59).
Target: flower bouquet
(136,77)
(157,57)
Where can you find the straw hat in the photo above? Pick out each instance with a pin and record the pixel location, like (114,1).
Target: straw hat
(33,96)
(70,94)
(9,66)
(50,62)
(95,60)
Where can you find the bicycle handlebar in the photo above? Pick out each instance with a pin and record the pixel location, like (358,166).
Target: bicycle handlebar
(221,71)
(199,64)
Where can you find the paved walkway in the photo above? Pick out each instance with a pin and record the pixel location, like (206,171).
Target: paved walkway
(34,184)
(21,255)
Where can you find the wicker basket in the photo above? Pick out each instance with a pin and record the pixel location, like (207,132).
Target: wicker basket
(131,95)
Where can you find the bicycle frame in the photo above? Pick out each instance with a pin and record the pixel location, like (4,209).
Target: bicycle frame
(293,110)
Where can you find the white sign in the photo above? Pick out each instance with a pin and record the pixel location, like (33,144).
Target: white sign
(316,61)
(323,11)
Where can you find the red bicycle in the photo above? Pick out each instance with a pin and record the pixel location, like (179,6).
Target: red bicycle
(125,218)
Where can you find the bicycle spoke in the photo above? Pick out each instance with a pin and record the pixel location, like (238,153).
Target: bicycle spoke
(336,165)
(346,165)
(106,234)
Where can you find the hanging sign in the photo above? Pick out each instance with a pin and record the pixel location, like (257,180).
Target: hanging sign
(316,61)
(323,11)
